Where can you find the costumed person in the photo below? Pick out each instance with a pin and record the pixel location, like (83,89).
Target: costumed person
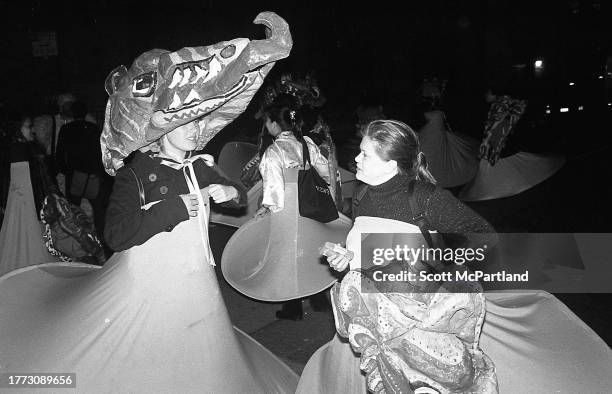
(21,235)
(129,225)
(153,318)
(504,172)
(407,339)
(403,339)
(281,120)
(308,100)
(452,157)
(311,100)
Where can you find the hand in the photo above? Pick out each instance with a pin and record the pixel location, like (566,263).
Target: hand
(261,212)
(338,262)
(191,203)
(222,193)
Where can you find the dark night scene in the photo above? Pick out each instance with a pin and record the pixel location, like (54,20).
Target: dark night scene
(306,197)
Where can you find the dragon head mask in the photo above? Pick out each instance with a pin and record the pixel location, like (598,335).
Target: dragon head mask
(163,90)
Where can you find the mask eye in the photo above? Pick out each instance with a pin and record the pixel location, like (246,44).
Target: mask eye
(144,84)
(228,51)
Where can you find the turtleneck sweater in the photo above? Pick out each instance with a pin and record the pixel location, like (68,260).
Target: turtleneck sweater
(459,225)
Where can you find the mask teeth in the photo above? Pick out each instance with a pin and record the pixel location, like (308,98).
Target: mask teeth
(191,72)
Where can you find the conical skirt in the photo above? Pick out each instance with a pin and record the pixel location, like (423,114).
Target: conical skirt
(276,257)
(510,176)
(151,320)
(537,344)
(21,237)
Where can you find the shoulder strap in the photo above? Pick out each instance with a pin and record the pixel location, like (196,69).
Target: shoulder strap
(305,153)
(141,193)
(361,191)
(419,217)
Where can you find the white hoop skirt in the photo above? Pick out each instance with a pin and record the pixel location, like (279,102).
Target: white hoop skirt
(451,157)
(510,176)
(537,344)
(21,237)
(276,257)
(151,320)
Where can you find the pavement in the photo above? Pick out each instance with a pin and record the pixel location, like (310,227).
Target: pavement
(567,202)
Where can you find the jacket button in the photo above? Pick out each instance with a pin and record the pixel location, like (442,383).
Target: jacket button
(163,189)
(152,177)
(169,228)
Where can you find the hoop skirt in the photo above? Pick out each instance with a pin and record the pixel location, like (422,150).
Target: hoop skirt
(276,257)
(21,237)
(510,176)
(151,320)
(451,157)
(537,344)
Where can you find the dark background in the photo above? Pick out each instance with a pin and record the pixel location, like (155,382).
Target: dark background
(376,53)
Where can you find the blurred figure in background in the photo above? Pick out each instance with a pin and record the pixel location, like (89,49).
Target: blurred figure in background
(368,110)
(452,156)
(47,129)
(78,158)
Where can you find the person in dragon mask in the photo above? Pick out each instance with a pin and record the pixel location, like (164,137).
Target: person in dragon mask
(153,319)
(156,177)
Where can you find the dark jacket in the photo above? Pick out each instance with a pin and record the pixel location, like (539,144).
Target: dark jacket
(128,225)
(78,148)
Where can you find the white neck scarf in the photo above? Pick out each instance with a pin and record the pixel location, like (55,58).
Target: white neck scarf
(203,198)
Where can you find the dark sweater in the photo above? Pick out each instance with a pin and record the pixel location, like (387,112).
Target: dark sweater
(459,225)
(128,225)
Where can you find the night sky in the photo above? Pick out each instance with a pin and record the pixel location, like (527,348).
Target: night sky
(379,53)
